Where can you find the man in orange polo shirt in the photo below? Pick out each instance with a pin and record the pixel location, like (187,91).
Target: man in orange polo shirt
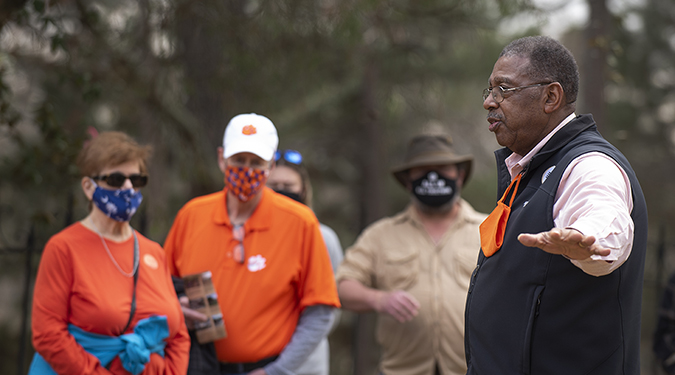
(268,261)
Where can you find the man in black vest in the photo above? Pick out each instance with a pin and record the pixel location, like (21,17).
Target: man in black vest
(558,285)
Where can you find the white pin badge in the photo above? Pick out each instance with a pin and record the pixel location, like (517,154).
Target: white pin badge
(546,174)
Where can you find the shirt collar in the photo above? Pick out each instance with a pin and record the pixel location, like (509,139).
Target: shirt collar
(261,218)
(516,163)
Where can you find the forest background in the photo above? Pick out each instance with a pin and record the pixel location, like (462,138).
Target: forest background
(347,83)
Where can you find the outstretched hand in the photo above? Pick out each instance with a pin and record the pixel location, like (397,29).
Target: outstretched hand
(568,242)
(399,304)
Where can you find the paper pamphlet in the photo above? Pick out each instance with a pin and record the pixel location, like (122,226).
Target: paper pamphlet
(203,298)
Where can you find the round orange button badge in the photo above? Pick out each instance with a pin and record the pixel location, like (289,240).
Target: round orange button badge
(150,261)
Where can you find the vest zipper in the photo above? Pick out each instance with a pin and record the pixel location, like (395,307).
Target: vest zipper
(529,331)
(467,314)
(524,171)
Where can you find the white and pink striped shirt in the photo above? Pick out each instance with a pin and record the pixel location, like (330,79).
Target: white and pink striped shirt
(594,197)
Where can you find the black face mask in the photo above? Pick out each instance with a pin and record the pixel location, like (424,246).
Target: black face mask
(295,196)
(434,190)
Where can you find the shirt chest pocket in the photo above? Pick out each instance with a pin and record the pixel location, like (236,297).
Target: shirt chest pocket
(399,269)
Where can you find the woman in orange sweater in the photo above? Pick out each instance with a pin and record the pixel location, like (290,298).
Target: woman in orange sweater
(104,302)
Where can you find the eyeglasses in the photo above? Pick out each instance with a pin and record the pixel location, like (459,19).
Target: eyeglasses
(290,156)
(498,95)
(239,254)
(117,179)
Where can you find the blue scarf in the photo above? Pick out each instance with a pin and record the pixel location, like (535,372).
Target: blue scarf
(134,349)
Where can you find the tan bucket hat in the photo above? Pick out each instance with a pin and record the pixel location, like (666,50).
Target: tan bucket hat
(431,149)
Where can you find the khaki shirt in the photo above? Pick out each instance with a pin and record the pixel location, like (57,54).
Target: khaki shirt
(396,253)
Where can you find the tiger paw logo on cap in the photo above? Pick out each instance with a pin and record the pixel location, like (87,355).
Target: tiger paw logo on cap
(249,130)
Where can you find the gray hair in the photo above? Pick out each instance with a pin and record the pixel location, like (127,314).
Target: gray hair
(549,61)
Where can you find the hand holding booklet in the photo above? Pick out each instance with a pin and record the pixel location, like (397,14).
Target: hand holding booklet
(203,298)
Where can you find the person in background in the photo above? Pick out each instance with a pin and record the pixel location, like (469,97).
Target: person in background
(558,285)
(664,335)
(413,269)
(103,301)
(269,264)
(289,177)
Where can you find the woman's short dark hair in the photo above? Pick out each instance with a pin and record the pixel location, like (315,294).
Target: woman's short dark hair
(550,61)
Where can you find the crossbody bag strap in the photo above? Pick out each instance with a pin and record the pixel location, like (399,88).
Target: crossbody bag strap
(133,296)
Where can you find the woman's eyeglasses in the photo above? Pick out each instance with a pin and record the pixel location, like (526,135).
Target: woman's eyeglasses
(290,156)
(238,254)
(117,179)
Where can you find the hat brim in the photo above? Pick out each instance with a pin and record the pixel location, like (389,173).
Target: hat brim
(400,172)
(253,146)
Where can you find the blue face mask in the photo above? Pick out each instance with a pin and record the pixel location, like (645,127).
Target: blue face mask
(119,205)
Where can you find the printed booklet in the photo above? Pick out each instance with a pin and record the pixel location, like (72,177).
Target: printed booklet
(203,298)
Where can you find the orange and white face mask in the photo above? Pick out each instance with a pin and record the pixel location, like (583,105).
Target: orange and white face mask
(245,182)
(493,228)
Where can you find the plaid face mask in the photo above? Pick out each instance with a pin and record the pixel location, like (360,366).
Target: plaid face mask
(245,182)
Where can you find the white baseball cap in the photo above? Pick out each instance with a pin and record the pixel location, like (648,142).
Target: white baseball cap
(250,133)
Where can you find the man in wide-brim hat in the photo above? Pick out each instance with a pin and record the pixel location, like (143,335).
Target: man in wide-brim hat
(427,153)
(413,269)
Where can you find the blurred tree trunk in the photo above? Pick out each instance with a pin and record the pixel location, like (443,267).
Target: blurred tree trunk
(366,349)
(594,62)
(201,55)
(372,138)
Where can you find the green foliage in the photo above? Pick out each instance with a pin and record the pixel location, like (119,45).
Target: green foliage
(50,160)
(642,108)
(346,83)
(8,114)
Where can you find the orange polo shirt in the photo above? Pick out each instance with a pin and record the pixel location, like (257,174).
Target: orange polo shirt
(77,283)
(286,269)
